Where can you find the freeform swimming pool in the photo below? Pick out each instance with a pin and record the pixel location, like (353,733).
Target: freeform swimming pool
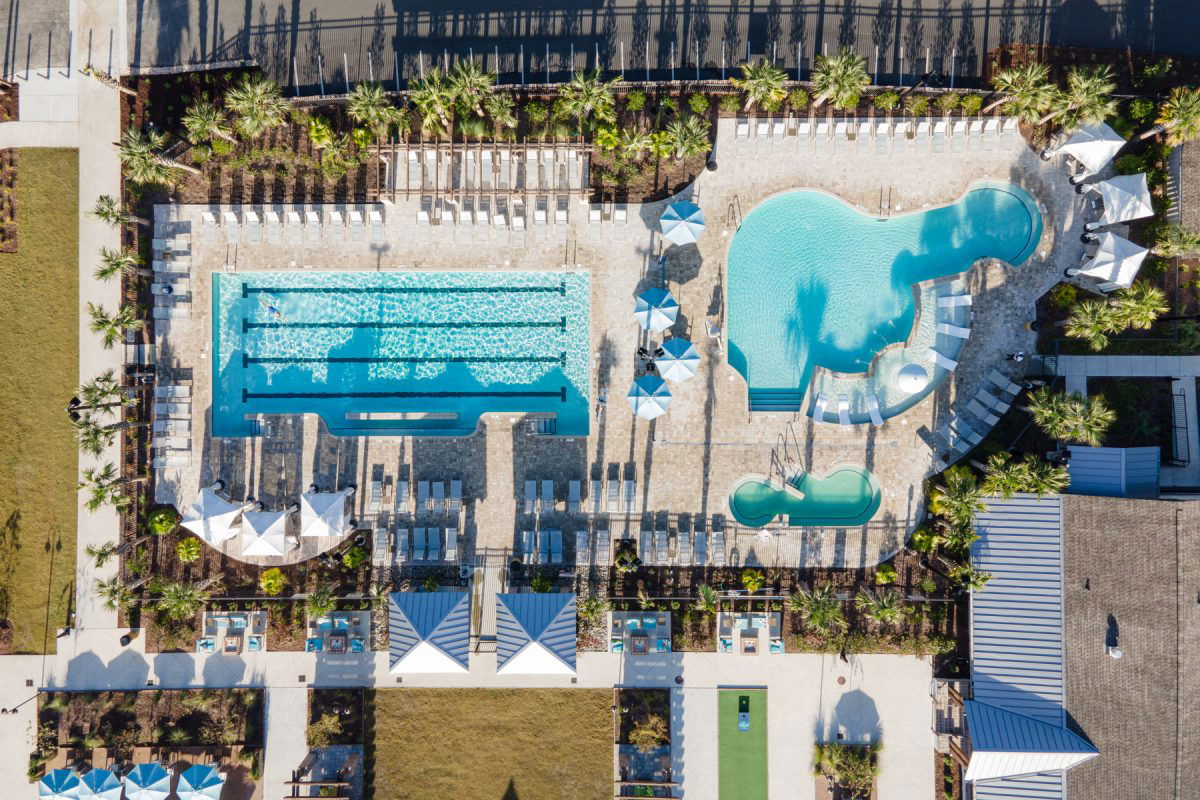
(395,353)
(813,281)
(845,497)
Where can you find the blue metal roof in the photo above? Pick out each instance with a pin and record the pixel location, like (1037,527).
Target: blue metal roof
(1042,786)
(1114,471)
(441,618)
(1017,619)
(548,619)
(994,728)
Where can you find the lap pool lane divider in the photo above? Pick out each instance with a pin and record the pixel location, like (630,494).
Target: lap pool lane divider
(742,744)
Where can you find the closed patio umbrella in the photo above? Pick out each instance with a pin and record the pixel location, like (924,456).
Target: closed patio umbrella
(1093,146)
(264,533)
(679,360)
(59,784)
(100,784)
(649,398)
(213,518)
(198,782)
(1116,262)
(682,222)
(656,310)
(323,513)
(147,782)
(1125,197)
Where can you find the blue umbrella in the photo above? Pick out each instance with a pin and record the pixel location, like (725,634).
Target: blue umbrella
(679,360)
(199,781)
(682,222)
(649,398)
(656,310)
(59,784)
(101,784)
(147,782)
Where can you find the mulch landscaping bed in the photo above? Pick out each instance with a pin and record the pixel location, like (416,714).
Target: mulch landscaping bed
(10,105)
(1144,408)
(636,705)
(347,704)
(1129,67)
(8,200)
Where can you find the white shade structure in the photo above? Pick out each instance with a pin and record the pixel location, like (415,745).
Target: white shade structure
(323,513)
(649,398)
(679,361)
(656,310)
(199,782)
(682,222)
(147,782)
(1125,197)
(912,378)
(264,533)
(59,784)
(1093,146)
(1116,262)
(213,518)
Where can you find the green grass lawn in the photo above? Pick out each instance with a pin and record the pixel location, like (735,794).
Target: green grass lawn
(743,767)
(39,359)
(492,744)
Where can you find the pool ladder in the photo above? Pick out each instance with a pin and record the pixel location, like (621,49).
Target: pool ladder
(886,202)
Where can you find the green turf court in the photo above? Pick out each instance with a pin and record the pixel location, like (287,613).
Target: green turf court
(743,768)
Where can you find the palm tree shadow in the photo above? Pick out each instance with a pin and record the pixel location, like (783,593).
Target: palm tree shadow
(511,792)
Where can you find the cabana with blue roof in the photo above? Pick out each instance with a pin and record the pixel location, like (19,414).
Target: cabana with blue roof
(429,632)
(535,634)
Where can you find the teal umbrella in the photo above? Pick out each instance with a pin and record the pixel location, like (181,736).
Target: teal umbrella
(679,360)
(199,782)
(682,222)
(656,310)
(649,398)
(59,784)
(147,782)
(100,784)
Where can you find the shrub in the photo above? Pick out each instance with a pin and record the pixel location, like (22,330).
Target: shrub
(536,111)
(162,521)
(773,104)
(917,105)
(649,733)
(635,100)
(1063,296)
(923,540)
(221,147)
(698,103)
(886,101)
(354,557)
(201,155)
(272,581)
(797,100)
(928,585)
(730,104)
(1129,164)
(607,138)
(540,584)
(187,550)
(431,583)
(947,102)
(970,104)
(885,574)
(1141,108)
(324,731)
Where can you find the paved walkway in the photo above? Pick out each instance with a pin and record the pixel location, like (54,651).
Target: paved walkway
(286,739)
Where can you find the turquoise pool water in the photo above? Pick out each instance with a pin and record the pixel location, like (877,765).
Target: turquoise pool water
(812,281)
(845,497)
(398,353)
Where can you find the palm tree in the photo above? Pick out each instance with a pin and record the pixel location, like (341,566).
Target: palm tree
(586,97)
(102,393)
(1069,417)
(821,609)
(840,78)
(753,580)
(1092,321)
(1045,478)
(94,437)
(882,606)
(104,487)
(958,498)
(707,599)
(1139,305)
(108,209)
(1094,420)
(205,122)
(1027,91)
(104,79)
(112,328)
(115,594)
(100,554)
(119,262)
(1178,116)
(1087,98)
(471,84)
(1005,477)
(180,601)
(957,537)
(259,105)
(689,135)
(635,142)
(369,107)
(1175,240)
(969,578)
(433,97)
(143,163)
(321,601)
(762,83)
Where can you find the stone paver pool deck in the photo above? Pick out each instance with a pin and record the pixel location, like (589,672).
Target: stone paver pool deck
(687,461)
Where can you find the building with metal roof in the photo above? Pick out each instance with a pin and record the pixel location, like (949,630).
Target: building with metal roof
(535,634)
(1115,471)
(429,632)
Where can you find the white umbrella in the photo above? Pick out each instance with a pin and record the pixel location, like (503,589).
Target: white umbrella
(264,533)
(59,784)
(682,222)
(213,518)
(323,513)
(99,784)
(649,398)
(1093,146)
(656,310)
(912,378)
(679,360)
(147,782)
(1116,262)
(1125,197)
(199,782)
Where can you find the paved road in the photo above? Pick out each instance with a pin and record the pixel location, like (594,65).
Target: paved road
(357,38)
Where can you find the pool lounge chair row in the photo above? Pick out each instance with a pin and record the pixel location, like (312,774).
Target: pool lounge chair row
(468,170)
(821,403)
(685,547)
(431,496)
(296,226)
(541,546)
(543,502)
(171,440)
(418,545)
(880,136)
(500,221)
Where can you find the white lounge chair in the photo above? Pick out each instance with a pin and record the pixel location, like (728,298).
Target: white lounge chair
(402,496)
(991,401)
(581,547)
(208,222)
(954,300)
(843,410)
(981,413)
(574,489)
(818,413)
(700,548)
(375,497)
(660,548)
(274,227)
(947,364)
(293,230)
(613,490)
(620,214)
(595,496)
(953,330)
(556,547)
(1003,383)
(455,496)
(528,546)
(253,226)
(434,543)
(172,392)
(422,495)
(312,227)
(683,547)
(629,494)
(958,136)
(646,547)
(229,221)
(938,137)
(171,462)
(452,545)
(379,553)
(530,496)
(376,219)
(873,410)
(400,546)
(718,553)
(439,496)
(337,226)
(420,549)
(547,499)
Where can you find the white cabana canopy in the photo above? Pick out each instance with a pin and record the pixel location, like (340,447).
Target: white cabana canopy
(656,310)
(1125,197)
(264,533)
(213,518)
(649,398)
(682,222)
(679,361)
(1116,262)
(1093,146)
(323,513)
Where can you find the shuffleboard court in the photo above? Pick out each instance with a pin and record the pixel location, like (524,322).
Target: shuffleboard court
(742,737)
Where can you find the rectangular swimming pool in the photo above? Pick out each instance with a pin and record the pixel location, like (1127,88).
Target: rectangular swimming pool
(399,353)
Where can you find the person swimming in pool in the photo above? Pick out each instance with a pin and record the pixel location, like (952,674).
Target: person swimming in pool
(270,309)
